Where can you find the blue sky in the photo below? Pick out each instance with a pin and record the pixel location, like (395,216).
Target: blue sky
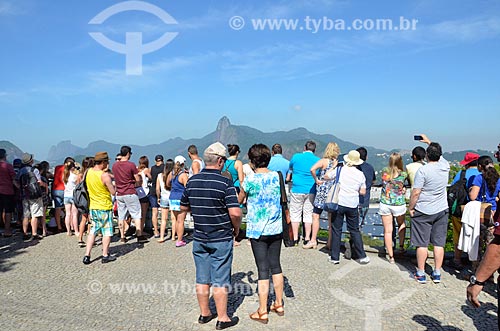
(374,88)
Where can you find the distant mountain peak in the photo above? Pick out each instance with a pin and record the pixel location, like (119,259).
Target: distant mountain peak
(223,124)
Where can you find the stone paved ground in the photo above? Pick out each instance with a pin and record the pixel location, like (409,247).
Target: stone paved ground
(44,286)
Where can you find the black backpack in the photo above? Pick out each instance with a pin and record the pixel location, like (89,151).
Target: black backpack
(458,195)
(30,188)
(81,196)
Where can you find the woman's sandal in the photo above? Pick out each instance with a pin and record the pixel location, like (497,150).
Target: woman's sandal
(274,308)
(259,317)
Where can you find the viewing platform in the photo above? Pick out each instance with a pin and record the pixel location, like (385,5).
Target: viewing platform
(45,286)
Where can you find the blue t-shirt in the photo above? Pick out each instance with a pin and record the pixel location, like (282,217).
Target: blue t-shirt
(485,194)
(279,163)
(369,172)
(300,167)
(469,175)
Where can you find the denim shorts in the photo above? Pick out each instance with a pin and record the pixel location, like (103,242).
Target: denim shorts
(68,201)
(213,262)
(164,203)
(58,196)
(153,201)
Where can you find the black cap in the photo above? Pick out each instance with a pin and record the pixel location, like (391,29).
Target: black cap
(159,157)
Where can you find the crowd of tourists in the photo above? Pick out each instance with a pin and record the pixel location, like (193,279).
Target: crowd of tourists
(218,185)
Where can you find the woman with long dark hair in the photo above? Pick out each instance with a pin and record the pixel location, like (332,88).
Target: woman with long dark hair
(87,163)
(163,194)
(486,186)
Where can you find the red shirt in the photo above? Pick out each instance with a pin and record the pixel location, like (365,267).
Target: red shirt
(124,172)
(7,175)
(58,184)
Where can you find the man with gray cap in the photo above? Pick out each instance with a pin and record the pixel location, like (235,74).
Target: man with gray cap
(213,202)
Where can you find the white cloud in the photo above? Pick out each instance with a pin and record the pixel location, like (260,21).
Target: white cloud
(6,8)
(441,33)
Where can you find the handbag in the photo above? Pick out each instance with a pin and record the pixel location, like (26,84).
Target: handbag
(332,198)
(285,215)
(140,192)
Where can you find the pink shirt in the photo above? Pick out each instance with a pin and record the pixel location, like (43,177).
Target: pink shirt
(7,175)
(124,172)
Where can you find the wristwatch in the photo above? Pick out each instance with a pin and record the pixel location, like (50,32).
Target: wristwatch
(473,280)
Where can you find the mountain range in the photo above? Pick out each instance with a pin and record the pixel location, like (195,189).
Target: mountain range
(292,141)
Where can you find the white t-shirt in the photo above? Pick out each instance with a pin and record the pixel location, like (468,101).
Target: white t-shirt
(69,187)
(351,181)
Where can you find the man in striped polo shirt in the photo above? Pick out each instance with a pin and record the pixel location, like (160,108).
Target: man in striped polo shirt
(213,202)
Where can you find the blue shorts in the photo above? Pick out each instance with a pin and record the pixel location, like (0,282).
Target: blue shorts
(58,196)
(213,262)
(153,201)
(68,201)
(175,205)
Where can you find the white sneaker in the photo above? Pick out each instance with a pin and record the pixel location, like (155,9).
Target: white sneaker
(333,261)
(364,260)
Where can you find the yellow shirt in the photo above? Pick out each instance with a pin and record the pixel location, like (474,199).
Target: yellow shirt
(411,169)
(100,198)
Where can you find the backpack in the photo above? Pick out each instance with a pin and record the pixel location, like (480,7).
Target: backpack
(458,195)
(30,189)
(225,172)
(81,196)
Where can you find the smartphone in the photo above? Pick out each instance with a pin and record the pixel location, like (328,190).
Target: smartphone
(418,138)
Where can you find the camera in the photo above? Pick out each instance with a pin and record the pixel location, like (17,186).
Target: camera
(497,153)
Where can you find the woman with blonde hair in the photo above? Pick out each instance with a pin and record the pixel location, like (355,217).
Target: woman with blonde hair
(177,180)
(323,185)
(70,178)
(393,203)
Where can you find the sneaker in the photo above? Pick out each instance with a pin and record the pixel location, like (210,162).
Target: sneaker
(420,279)
(28,239)
(436,278)
(86,259)
(333,261)
(123,240)
(364,260)
(109,258)
(181,243)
